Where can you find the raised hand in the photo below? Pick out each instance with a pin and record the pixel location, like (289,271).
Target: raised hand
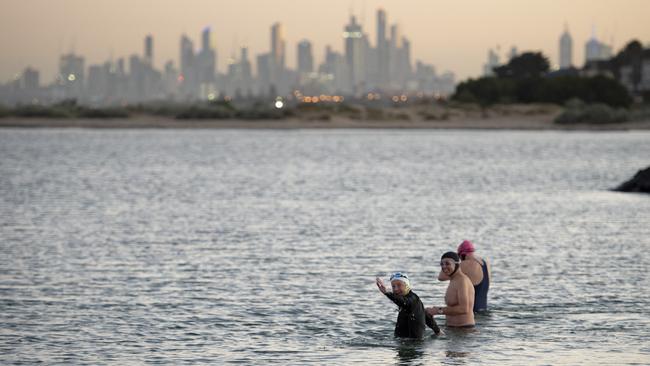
(380,285)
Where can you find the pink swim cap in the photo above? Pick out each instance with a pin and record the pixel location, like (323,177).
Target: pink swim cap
(465,247)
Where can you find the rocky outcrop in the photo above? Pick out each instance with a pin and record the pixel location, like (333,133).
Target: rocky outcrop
(639,183)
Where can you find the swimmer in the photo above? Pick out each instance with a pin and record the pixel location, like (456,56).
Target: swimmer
(478,271)
(412,318)
(460,294)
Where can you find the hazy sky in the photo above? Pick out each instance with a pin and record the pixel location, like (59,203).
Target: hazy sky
(453,34)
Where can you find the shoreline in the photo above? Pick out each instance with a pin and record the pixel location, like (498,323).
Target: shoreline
(517,122)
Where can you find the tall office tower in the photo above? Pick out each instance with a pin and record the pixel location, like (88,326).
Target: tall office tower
(206,64)
(71,75)
(395,45)
(355,52)
(189,76)
(382,55)
(305,57)
(566,49)
(264,66)
(29,80)
(492,62)
(246,72)
(148,50)
(513,52)
(596,50)
(404,69)
(278,45)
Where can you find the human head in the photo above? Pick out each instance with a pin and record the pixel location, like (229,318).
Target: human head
(448,261)
(400,283)
(465,248)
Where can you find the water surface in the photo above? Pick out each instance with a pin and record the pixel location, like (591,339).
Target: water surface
(213,246)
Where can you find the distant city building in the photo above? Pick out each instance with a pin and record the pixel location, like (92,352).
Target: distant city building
(188,77)
(492,62)
(264,66)
(596,50)
(382,68)
(206,63)
(278,45)
(355,52)
(305,57)
(382,53)
(513,53)
(71,76)
(566,50)
(30,80)
(148,50)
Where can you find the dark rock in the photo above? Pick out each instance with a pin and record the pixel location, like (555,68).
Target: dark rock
(639,183)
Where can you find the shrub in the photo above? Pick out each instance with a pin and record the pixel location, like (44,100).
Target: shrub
(102,113)
(593,113)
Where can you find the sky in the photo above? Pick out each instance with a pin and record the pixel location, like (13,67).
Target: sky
(452,35)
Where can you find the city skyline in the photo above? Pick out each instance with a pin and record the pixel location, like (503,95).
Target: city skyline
(233,27)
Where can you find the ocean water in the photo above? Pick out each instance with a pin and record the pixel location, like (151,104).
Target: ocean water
(261,247)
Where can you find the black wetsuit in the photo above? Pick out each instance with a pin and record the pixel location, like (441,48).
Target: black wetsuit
(412,318)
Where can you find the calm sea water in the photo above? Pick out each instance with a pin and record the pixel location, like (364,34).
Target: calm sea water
(261,247)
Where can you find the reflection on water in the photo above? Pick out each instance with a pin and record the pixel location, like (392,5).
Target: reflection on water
(409,351)
(213,247)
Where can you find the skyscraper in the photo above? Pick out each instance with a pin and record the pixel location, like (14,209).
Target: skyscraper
(596,50)
(354,52)
(566,49)
(148,50)
(71,75)
(492,62)
(206,64)
(382,56)
(394,47)
(305,58)
(278,45)
(264,65)
(246,71)
(188,77)
(29,80)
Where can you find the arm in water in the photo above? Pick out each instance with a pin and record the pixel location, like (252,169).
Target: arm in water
(431,323)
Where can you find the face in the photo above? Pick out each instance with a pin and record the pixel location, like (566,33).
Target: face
(399,287)
(447,266)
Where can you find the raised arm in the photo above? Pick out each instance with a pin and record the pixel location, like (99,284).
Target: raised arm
(401,301)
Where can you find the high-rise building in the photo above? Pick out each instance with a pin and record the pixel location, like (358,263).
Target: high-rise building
(29,80)
(189,76)
(492,62)
(305,57)
(513,52)
(566,49)
(382,53)
(355,52)
(596,50)
(206,65)
(395,44)
(148,50)
(264,66)
(246,72)
(71,75)
(278,45)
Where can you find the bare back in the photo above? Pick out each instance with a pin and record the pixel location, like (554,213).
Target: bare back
(471,266)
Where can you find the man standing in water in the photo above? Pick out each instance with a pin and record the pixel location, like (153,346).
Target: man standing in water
(412,318)
(476,268)
(460,294)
